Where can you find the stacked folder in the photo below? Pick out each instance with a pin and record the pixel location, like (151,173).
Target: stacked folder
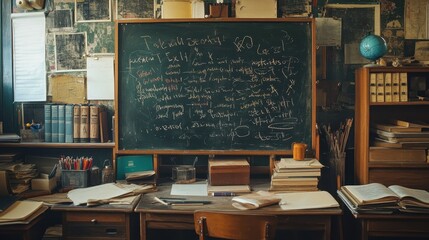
(290,175)
(388,87)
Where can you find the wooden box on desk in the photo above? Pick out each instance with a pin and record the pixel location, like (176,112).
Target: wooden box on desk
(229,172)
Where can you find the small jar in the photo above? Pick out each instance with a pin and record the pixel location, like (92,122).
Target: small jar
(107,174)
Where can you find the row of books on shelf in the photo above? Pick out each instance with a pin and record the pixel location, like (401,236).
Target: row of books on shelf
(388,87)
(377,198)
(400,134)
(75,123)
(292,175)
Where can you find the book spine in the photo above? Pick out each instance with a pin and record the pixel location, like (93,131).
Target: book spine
(395,87)
(373,87)
(76,123)
(388,87)
(94,126)
(48,122)
(84,123)
(380,87)
(61,123)
(403,87)
(104,131)
(69,123)
(54,120)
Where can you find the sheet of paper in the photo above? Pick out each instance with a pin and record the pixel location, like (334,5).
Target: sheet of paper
(307,200)
(328,32)
(100,78)
(193,189)
(29,67)
(100,192)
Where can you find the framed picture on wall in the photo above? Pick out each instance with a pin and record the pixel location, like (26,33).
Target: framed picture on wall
(135,9)
(357,20)
(93,10)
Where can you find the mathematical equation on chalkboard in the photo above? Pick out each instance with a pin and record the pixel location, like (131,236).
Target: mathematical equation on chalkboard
(215,86)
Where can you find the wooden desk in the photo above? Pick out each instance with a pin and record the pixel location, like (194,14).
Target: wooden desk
(158,216)
(35,229)
(400,225)
(100,222)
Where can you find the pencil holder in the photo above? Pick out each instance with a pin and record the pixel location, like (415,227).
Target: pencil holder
(74,178)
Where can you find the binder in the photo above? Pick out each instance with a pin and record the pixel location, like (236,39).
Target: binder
(61,123)
(84,124)
(380,87)
(403,87)
(48,122)
(76,123)
(388,87)
(395,87)
(69,123)
(373,87)
(94,126)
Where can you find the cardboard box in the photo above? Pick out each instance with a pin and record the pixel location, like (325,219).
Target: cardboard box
(229,172)
(44,183)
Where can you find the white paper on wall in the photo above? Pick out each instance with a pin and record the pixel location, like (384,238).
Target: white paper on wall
(29,68)
(100,77)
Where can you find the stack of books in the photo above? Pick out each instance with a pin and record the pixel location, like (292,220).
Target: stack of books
(375,198)
(290,175)
(400,134)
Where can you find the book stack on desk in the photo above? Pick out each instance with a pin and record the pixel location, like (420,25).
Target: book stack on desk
(290,175)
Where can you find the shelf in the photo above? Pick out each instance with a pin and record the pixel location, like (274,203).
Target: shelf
(58,145)
(399,103)
(406,165)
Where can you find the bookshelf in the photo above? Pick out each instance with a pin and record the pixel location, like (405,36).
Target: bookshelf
(409,170)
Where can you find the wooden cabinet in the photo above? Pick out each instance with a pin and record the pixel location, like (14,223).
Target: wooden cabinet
(370,109)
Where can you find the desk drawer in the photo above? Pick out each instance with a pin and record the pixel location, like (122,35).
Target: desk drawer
(393,226)
(96,225)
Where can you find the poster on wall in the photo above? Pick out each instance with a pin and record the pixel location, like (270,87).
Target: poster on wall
(135,9)
(70,52)
(93,10)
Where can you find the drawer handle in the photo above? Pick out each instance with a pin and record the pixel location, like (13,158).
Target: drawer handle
(111,231)
(94,220)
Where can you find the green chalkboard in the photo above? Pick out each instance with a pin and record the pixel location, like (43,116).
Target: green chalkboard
(214,85)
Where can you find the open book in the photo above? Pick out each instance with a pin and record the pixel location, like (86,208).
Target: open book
(255,200)
(376,194)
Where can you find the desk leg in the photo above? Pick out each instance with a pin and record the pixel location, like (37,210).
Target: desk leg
(143,232)
(328,225)
(364,229)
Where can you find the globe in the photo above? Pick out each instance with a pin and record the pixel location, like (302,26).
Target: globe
(372,47)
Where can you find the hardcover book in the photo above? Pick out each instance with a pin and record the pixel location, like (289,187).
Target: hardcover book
(61,123)
(69,123)
(48,122)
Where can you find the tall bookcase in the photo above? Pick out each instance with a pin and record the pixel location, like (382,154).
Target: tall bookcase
(371,109)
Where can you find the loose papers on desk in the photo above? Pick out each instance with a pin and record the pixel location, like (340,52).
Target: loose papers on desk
(255,200)
(105,192)
(307,200)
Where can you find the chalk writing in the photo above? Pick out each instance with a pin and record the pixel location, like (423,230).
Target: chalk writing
(224,87)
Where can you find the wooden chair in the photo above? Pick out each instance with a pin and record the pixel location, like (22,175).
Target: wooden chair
(234,225)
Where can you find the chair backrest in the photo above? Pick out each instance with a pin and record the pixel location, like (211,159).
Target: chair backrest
(234,225)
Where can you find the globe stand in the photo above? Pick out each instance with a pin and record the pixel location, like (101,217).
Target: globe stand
(372,64)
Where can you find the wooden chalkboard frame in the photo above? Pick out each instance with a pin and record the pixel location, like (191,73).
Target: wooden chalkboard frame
(286,151)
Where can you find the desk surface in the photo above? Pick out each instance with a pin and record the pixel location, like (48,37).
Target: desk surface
(148,205)
(154,215)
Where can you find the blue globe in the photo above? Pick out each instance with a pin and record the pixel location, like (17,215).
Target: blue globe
(372,47)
